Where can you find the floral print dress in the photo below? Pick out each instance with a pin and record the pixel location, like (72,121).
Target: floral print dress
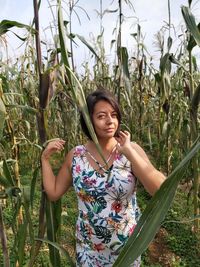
(108,210)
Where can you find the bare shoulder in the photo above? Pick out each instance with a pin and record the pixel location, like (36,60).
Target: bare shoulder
(140,151)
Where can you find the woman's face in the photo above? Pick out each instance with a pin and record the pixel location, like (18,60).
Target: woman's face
(105,120)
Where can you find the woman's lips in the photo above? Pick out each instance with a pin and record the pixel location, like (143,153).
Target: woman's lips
(110,130)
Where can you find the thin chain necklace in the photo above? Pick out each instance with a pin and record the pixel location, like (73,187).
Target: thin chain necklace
(102,167)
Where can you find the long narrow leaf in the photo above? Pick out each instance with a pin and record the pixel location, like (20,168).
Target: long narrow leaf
(63,43)
(5,25)
(21,239)
(25,108)
(26,204)
(191,24)
(2,113)
(61,249)
(81,102)
(123,55)
(7,173)
(154,214)
(33,184)
(41,230)
(53,218)
(89,46)
(4,182)
(3,240)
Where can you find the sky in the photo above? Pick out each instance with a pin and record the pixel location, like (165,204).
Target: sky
(151,16)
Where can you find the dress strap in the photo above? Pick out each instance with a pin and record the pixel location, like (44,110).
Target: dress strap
(101,167)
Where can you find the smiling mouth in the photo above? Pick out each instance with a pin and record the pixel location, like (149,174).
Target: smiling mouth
(110,130)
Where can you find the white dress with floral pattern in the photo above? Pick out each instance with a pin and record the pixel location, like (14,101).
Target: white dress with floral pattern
(108,210)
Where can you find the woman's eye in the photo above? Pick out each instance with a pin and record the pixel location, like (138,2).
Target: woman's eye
(114,115)
(101,116)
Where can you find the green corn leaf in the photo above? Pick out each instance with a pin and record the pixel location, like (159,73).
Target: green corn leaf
(63,43)
(191,24)
(169,42)
(2,114)
(53,218)
(196,100)
(177,62)
(164,62)
(154,213)
(22,233)
(41,230)
(29,220)
(25,108)
(61,249)
(89,46)
(33,184)
(123,55)
(4,182)
(110,11)
(191,43)
(5,26)
(5,257)
(192,219)
(7,173)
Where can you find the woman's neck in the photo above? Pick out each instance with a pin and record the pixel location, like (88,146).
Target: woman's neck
(105,144)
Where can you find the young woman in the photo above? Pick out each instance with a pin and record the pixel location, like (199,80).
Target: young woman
(106,192)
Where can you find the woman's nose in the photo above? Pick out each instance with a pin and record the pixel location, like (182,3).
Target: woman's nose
(109,119)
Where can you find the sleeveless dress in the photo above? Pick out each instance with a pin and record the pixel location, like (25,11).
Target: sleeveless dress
(108,210)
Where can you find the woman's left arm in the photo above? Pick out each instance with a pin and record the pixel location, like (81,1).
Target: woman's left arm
(143,169)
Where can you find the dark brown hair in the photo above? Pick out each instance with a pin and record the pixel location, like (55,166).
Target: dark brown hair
(92,99)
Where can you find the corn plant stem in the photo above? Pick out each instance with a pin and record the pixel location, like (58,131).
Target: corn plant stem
(71,6)
(191,75)
(15,155)
(196,193)
(168,145)
(140,79)
(119,44)
(37,36)
(168,130)
(102,52)
(4,241)
(196,173)
(169,13)
(42,134)
(101,17)
(16,171)
(41,229)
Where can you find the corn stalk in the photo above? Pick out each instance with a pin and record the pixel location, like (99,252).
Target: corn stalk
(119,45)
(44,89)
(194,39)
(4,241)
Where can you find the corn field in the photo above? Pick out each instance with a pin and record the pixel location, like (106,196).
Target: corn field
(40,99)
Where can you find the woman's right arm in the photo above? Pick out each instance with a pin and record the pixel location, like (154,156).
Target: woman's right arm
(56,186)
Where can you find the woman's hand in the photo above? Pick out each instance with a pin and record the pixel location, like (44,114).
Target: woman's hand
(53,147)
(142,168)
(124,143)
